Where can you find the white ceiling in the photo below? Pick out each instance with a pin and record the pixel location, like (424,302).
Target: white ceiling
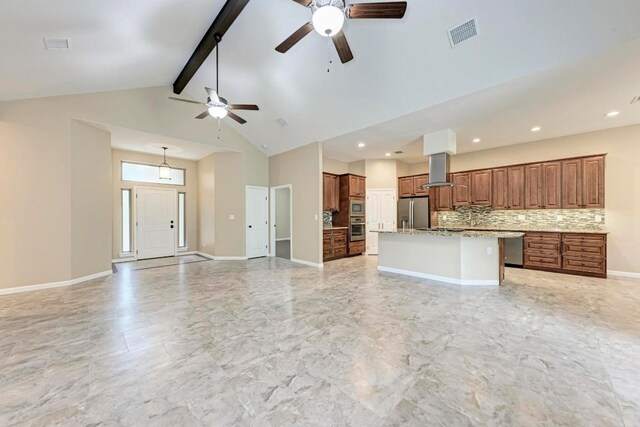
(400,67)
(566,100)
(143,142)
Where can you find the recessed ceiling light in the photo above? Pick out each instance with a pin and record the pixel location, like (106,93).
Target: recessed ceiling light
(387,154)
(56,44)
(612,113)
(361,145)
(536,129)
(476,140)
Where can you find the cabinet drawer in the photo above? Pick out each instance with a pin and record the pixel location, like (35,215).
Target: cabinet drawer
(542,260)
(585,237)
(339,251)
(356,248)
(584,264)
(543,236)
(597,250)
(541,245)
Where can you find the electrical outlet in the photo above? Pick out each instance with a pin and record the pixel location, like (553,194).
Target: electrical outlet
(315,217)
(444,217)
(598,218)
(489,250)
(232,217)
(522,218)
(559,217)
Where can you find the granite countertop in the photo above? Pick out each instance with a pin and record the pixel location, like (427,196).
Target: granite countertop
(453,233)
(331,227)
(532,230)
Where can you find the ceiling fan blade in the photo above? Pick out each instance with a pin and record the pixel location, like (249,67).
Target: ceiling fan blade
(237,118)
(295,37)
(203,115)
(305,3)
(383,10)
(244,107)
(342,46)
(212,94)
(185,100)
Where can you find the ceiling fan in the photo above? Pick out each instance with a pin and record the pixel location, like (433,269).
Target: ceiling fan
(217,106)
(328,18)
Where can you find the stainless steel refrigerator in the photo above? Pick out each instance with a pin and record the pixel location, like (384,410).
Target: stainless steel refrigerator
(414,213)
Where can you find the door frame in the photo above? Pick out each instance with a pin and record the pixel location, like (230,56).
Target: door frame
(375,190)
(246,217)
(134,215)
(272,219)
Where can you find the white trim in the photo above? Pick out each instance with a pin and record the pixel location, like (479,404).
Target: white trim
(52,285)
(443,279)
(204,255)
(283,239)
(272,217)
(184,250)
(230,258)
(121,260)
(123,255)
(307,263)
(623,274)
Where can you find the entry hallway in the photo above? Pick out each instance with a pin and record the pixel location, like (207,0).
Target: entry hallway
(269,342)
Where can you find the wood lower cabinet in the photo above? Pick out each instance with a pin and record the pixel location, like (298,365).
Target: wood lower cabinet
(357,248)
(334,244)
(462,192)
(574,253)
(330,192)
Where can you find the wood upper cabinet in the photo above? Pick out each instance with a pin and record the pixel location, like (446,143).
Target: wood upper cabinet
(357,186)
(418,182)
(593,182)
(500,189)
(405,186)
(442,196)
(533,182)
(411,186)
(462,192)
(516,187)
(481,187)
(330,192)
(572,184)
(552,185)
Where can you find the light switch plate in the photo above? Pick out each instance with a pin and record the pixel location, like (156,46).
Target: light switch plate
(315,217)
(489,250)
(598,218)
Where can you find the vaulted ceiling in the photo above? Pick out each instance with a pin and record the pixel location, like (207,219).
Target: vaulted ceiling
(400,67)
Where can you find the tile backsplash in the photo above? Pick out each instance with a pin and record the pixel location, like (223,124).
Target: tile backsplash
(532,219)
(327,218)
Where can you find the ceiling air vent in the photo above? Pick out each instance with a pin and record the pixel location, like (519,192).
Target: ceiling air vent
(635,100)
(398,152)
(56,44)
(282,122)
(462,33)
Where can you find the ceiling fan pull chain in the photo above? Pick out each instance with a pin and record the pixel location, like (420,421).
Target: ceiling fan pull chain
(329,54)
(219,129)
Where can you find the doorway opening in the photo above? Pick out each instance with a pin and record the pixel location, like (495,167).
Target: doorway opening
(281,218)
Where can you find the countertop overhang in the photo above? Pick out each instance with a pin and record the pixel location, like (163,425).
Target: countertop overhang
(455,233)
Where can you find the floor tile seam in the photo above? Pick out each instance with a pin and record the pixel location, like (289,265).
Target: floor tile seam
(610,382)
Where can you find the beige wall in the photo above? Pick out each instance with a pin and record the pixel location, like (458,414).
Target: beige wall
(622,180)
(190,188)
(381,173)
(302,168)
(91,187)
(419,168)
(230,234)
(334,166)
(283,213)
(206,205)
(357,168)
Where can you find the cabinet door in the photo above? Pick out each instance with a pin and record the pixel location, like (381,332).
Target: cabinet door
(418,182)
(462,192)
(515,187)
(500,193)
(572,184)
(481,187)
(593,182)
(353,186)
(442,199)
(533,179)
(552,185)
(405,186)
(362,186)
(328,188)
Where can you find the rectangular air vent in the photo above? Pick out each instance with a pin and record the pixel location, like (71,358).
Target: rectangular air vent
(635,100)
(462,33)
(56,44)
(398,152)
(282,122)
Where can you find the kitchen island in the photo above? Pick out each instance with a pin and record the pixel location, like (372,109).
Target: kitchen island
(458,257)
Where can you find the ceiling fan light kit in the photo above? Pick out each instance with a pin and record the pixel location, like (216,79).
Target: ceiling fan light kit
(328,17)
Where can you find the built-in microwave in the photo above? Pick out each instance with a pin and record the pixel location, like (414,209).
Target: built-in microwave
(356,207)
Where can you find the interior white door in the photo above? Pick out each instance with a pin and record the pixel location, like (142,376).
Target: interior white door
(257,222)
(156,222)
(381,215)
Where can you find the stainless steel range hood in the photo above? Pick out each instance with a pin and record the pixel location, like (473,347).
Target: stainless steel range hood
(438,171)
(439,146)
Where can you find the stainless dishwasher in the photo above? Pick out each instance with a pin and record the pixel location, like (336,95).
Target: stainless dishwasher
(514,252)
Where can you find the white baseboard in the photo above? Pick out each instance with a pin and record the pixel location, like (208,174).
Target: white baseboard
(283,239)
(623,274)
(443,279)
(204,255)
(119,260)
(230,258)
(307,263)
(30,288)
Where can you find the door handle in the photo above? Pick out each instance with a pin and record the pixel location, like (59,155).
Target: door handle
(171,225)
(250,226)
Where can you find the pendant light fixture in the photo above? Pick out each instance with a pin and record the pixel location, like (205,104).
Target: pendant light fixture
(164,168)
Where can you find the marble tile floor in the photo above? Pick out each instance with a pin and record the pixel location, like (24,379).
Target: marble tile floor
(158,262)
(270,343)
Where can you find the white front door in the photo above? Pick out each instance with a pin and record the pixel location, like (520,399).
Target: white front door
(381,215)
(257,222)
(156,222)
